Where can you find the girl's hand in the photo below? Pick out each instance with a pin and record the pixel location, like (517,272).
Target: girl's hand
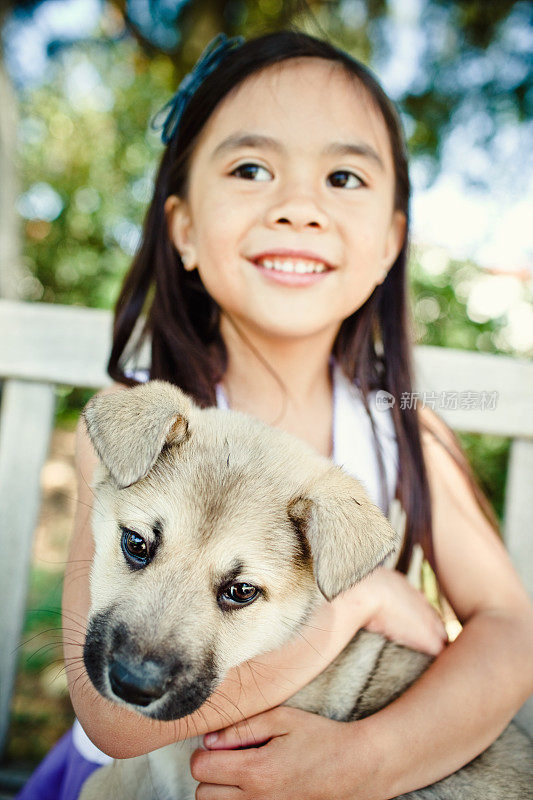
(306,757)
(400,612)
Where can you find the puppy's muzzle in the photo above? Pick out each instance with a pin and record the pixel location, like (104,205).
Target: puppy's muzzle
(157,679)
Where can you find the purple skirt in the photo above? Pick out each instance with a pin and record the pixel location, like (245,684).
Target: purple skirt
(60,775)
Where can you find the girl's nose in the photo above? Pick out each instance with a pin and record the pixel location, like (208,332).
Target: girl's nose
(298,210)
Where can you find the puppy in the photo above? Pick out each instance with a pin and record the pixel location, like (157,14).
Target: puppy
(216,536)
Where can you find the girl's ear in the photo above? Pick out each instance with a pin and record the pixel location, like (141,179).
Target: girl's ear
(395,240)
(179,225)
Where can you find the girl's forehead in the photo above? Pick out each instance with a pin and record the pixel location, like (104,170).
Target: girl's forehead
(305,95)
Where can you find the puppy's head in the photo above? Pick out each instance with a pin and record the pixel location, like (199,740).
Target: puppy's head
(215,536)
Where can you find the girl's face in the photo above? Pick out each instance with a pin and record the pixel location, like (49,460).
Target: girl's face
(291,193)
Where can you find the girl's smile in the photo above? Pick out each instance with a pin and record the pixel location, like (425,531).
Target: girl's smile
(291,271)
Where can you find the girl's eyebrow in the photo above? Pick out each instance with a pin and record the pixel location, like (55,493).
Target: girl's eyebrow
(244,139)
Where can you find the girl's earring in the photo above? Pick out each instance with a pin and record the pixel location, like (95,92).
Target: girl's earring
(187,261)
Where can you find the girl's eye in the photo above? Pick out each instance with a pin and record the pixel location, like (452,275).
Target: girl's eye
(348,180)
(248,171)
(246,168)
(238,594)
(135,549)
(355,184)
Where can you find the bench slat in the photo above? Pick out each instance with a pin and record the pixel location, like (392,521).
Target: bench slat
(57,344)
(441,369)
(518,516)
(70,345)
(518,533)
(26,423)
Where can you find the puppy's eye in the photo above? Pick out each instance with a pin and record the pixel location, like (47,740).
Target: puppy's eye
(134,548)
(238,594)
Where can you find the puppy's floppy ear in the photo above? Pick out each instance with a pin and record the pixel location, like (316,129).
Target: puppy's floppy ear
(347,534)
(129,428)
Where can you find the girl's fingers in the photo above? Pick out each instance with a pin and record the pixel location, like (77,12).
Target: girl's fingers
(437,647)
(436,636)
(219,766)
(249,733)
(432,638)
(440,632)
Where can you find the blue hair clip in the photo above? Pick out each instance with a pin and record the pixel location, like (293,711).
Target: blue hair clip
(211,57)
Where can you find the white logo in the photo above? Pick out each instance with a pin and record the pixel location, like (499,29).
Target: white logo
(384,400)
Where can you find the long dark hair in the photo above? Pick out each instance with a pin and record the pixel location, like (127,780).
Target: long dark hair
(373,345)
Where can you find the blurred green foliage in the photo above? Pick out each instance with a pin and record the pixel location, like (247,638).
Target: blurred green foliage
(41,710)
(44,604)
(83,134)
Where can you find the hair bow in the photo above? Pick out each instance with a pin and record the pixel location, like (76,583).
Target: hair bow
(210,58)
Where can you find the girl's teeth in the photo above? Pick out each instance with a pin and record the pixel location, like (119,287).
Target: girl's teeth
(287,265)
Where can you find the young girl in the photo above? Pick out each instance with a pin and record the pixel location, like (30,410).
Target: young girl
(272,274)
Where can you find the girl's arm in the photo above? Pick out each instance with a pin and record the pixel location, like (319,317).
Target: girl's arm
(250,689)
(461,704)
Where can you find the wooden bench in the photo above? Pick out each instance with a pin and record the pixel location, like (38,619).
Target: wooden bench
(44,345)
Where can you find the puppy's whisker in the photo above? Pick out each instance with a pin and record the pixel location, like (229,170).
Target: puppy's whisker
(224,715)
(43,649)
(63,613)
(83,503)
(316,627)
(78,572)
(84,683)
(74,671)
(88,485)
(95,507)
(81,569)
(176,731)
(187,734)
(54,662)
(72,642)
(72,661)
(253,674)
(40,633)
(78,630)
(274,676)
(61,673)
(80,623)
(195,723)
(73,579)
(225,719)
(300,634)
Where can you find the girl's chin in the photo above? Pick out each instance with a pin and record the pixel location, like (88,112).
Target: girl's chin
(297,328)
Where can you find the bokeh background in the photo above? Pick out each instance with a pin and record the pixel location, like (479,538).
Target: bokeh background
(79,83)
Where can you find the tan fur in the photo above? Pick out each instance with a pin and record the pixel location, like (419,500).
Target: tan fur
(223,497)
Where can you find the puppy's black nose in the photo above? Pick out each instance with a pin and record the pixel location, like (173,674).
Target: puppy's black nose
(139,684)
